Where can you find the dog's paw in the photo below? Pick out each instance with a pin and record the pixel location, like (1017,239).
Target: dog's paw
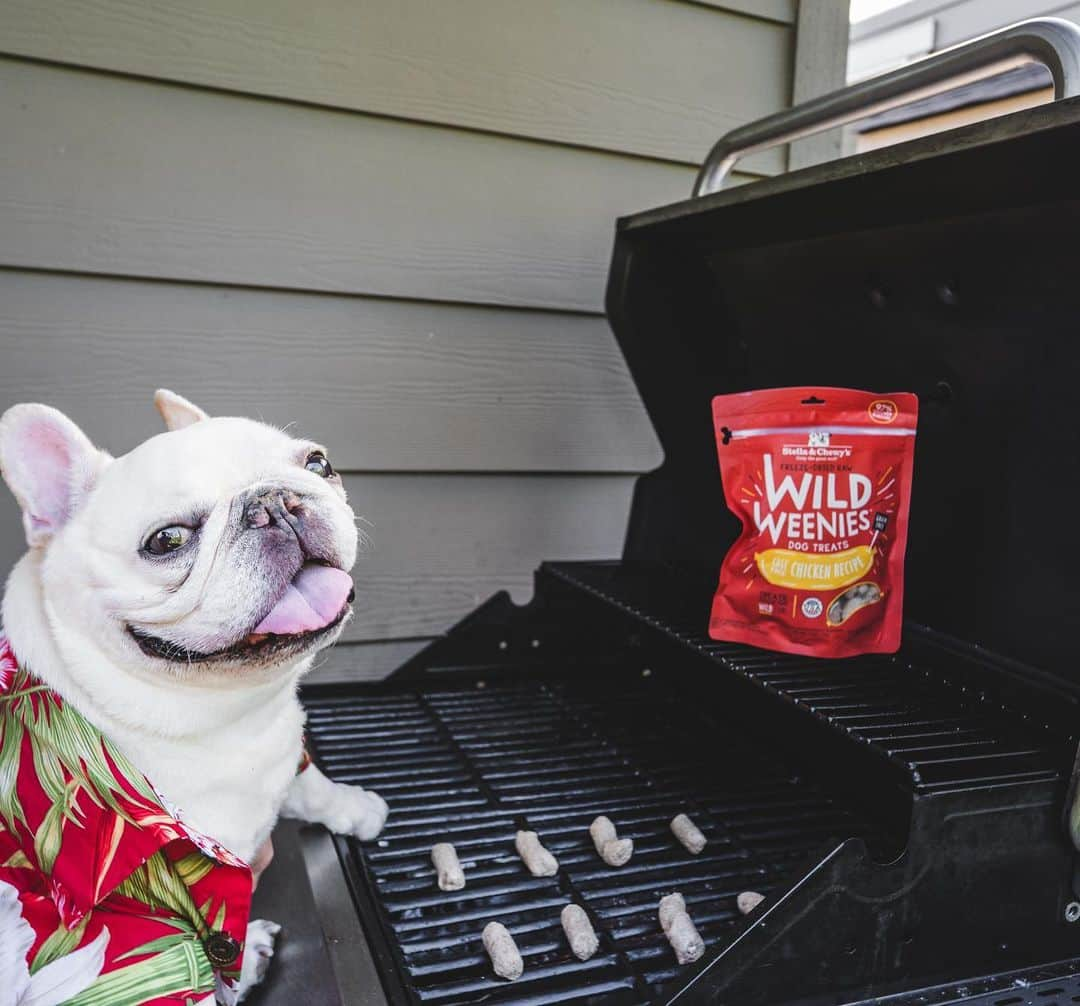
(258,949)
(355,811)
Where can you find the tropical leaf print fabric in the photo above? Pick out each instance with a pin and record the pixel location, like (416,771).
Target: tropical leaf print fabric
(98,859)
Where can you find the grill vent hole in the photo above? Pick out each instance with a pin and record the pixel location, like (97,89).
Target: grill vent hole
(942,393)
(947,294)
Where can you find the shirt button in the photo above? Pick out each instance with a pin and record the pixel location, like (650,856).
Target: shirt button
(221,949)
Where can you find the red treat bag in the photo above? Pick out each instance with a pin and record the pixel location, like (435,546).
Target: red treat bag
(821,480)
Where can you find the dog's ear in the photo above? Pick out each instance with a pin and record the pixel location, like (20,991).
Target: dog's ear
(177,412)
(50,466)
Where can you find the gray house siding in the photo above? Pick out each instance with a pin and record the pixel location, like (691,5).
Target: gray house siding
(917,28)
(959,20)
(386,222)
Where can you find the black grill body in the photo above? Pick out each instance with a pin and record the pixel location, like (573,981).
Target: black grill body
(905,815)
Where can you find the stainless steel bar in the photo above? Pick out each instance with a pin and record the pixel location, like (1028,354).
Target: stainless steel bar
(1054,42)
(350,955)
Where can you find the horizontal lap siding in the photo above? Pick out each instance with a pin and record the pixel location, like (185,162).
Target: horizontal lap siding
(958,22)
(389,223)
(350,661)
(441,544)
(961,20)
(783,11)
(111,175)
(387,385)
(568,71)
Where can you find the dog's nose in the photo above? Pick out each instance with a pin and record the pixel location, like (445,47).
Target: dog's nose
(269,507)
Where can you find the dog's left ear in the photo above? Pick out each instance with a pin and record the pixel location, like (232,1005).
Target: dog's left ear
(177,412)
(49,464)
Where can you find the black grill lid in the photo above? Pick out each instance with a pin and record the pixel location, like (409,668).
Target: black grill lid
(949,266)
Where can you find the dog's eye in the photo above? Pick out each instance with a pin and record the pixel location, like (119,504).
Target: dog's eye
(167,539)
(317,463)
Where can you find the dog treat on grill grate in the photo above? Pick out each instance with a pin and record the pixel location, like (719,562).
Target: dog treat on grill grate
(688,833)
(539,861)
(670,906)
(503,951)
(748,901)
(579,932)
(679,929)
(613,850)
(451,877)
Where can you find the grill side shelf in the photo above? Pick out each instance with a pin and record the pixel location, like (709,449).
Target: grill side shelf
(933,736)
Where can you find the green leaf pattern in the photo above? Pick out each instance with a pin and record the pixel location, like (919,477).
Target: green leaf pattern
(158,884)
(11,740)
(173,971)
(72,760)
(60,942)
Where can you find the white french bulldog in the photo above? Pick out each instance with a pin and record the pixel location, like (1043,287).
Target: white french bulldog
(174,596)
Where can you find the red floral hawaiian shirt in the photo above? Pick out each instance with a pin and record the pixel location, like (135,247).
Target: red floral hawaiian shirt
(89,845)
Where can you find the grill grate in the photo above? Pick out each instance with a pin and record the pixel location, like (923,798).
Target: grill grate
(937,735)
(471,764)
(548,745)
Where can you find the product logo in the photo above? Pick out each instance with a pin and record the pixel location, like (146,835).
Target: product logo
(812,607)
(883,411)
(818,438)
(817,507)
(814,449)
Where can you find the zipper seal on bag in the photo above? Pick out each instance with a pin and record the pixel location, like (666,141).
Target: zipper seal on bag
(861,431)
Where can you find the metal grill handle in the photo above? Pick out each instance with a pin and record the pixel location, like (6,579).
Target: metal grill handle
(1052,41)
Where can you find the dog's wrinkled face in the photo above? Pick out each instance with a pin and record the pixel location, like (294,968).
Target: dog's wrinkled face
(219,547)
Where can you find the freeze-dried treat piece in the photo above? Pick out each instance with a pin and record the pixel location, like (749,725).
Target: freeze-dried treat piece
(688,833)
(851,600)
(670,906)
(685,939)
(613,850)
(579,932)
(748,901)
(680,930)
(503,951)
(451,877)
(540,862)
(602,831)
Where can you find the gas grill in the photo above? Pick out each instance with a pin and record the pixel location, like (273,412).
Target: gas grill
(905,815)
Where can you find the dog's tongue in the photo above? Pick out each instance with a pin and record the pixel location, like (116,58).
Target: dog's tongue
(314,599)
